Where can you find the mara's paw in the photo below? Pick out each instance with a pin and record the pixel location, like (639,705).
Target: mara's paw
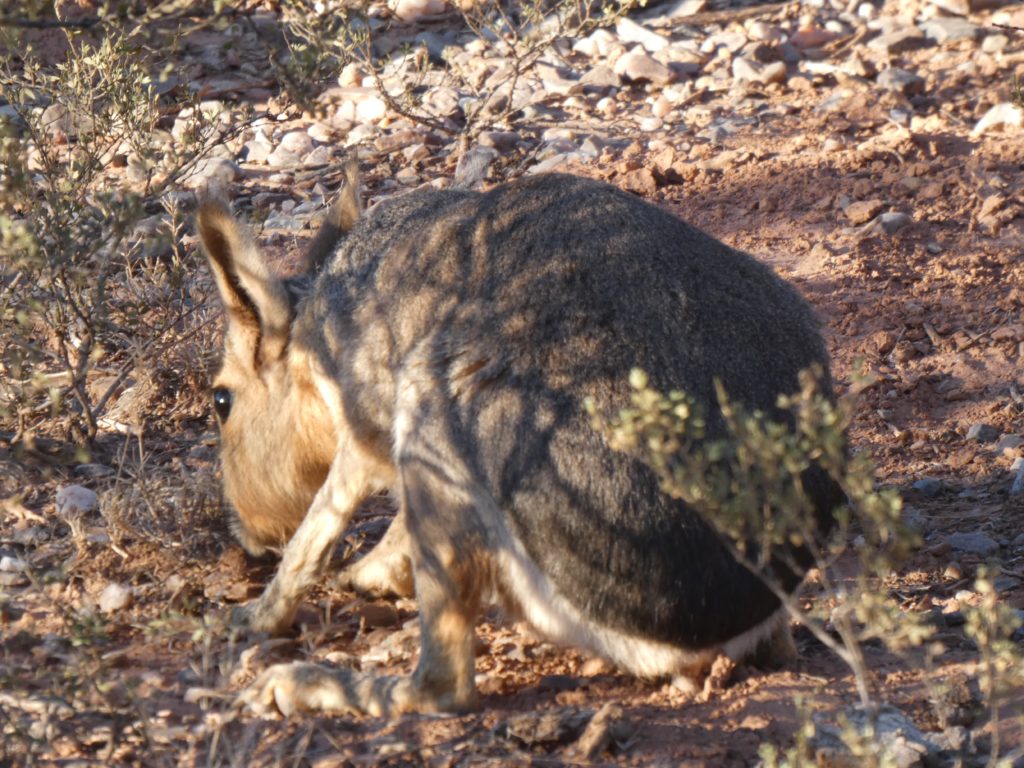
(384,571)
(255,617)
(288,689)
(378,577)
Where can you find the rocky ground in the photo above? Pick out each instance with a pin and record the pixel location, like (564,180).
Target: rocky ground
(870,151)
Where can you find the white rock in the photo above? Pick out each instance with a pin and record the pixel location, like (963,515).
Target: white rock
(502,141)
(552,135)
(296,142)
(351,74)
(958,7)
(360,133)
(728,39)
(473,166)
(684,8)
(661,107)
(115,597)
(281,158)
(751,71)
(407,176)
(11,565)
(443,102)
(319,156)
(411,10)
(994,43)
(598,43)
(183,123)
(257,151)
(893,222)
(651,124)
(211,109)
(641,67)
(75,499)
(321,132)
(1000,116)
(371,110)
(557,80)
(344,115)
(57,118)
(631,32)
(555,161)
(678,93)
(218,170)
(759,30)
(1018,481)
(283,221)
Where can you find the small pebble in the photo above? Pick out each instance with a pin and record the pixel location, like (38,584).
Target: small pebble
(974,543)
(863,211)
(650,123)
(631,32)
(928,486)
(296,142)
(371,110)
(982,433)
(994,43)
(901,81)
(75,499)
(639,67)
(893,222)
(1018,482)
(414,10)
(115,597)
(1005,116)
(11,565)
(661,107)
(750,71)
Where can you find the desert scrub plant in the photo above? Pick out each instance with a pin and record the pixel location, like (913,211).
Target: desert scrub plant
(93,279)
(992,625)
(748,482)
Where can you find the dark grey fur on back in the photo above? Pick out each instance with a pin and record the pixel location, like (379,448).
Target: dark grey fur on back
(527,300)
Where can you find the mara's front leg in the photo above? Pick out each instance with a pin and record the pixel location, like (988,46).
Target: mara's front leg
(352,477)
(445,564)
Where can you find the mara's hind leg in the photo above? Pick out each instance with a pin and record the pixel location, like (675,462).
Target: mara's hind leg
(446,559)
(386,570)
(778,650)
(451,569)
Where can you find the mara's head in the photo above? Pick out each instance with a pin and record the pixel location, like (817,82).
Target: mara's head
(275,433)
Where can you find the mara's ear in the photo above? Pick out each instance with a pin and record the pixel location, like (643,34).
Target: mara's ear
(345,212)
(258,310)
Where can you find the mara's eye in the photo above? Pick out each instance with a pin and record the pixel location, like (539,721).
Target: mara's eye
(222,403)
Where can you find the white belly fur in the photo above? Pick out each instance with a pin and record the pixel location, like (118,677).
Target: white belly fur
(552,616)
